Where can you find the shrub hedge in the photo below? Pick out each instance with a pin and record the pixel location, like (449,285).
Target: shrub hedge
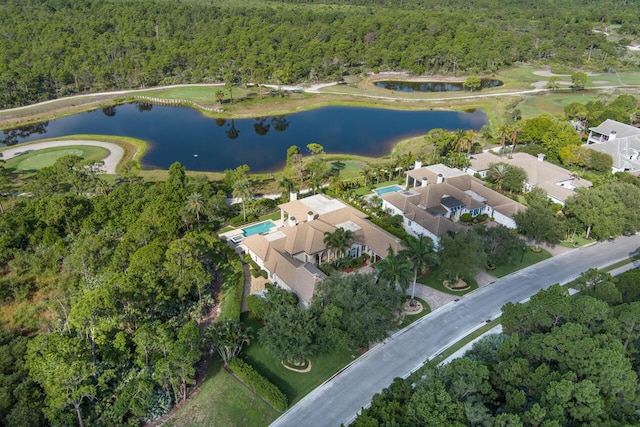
(259,384)
(257,306)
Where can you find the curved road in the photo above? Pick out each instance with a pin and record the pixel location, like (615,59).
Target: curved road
(340,398)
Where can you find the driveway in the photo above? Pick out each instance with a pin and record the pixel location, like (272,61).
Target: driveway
(340,398)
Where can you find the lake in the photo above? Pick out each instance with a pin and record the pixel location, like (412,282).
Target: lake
(201,143)
(409,86)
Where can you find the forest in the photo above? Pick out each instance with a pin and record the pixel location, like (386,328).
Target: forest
(110,296)
(54,48)
(560,361)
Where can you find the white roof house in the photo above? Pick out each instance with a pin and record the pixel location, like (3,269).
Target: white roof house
(620,141)
(558,182)
(437,196)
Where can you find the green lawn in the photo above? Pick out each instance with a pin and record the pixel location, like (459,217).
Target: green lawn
(435,278)
(223,401)
(38,159)
(529,258)
(552,103)
(349,169)
(409,319)
(295,385)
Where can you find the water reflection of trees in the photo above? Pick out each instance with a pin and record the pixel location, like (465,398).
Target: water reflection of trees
(260,127)
(144,106)
(110,111)
(13,136)
(221,122)
(232,132)
(280,123)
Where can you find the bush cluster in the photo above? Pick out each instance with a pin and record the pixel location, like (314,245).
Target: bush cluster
(257,306)
(259,384)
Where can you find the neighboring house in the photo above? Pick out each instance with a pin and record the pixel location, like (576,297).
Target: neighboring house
(554,180)
(438,195)
(291,252)
(620,141)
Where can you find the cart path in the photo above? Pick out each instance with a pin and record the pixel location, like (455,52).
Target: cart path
(110,162)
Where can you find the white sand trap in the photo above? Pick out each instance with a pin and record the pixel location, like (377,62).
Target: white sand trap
(110,162)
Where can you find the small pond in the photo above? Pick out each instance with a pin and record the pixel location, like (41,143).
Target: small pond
(202,143)
(407,86)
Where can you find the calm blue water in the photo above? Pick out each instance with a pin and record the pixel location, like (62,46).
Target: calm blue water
(385,190)
(204,144)
(408,86)
(262,227)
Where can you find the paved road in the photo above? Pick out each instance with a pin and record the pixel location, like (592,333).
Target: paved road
(338,400)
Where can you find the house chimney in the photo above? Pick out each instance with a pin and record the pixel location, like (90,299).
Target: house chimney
(541,157)
(292,221)
(612,135)
(418,164)
(440,179)
(424,182)
(310,216)
(293,196)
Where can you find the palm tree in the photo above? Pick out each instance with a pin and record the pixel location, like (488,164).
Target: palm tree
(513,138)
(219,95)
(395,270)
(504,131)
(339,241)
(195,205)
(419,251)
(287,184)
(367,175)
(242,190)
(498,173)
(228,337)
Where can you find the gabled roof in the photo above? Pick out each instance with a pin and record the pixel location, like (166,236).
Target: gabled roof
(555,180)
(622,130)
(316,215)
(423,204)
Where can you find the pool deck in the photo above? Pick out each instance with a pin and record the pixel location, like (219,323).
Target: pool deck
(237,232)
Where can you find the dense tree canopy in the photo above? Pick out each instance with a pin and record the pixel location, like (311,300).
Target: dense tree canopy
(120,278)
(52,48)
(561,361)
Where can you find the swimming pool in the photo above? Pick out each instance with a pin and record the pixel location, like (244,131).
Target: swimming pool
(261,227)
(385,190)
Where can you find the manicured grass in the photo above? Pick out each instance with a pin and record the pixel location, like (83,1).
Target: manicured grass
(460,344)
(529,258)
(275,215)
(223,401)
(410,318)
(349,169)
(522,74)
(38,159)
(577,242)
(294,384)
(435,278)
(552,103)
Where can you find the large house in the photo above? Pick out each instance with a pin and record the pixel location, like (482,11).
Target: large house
(554,180)
(437,196)
(620,141)
(291,253)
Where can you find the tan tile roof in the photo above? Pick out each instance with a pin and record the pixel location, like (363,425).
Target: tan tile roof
(540,174)
(308,237)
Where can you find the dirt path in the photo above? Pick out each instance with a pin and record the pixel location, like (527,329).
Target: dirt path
(110,162)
